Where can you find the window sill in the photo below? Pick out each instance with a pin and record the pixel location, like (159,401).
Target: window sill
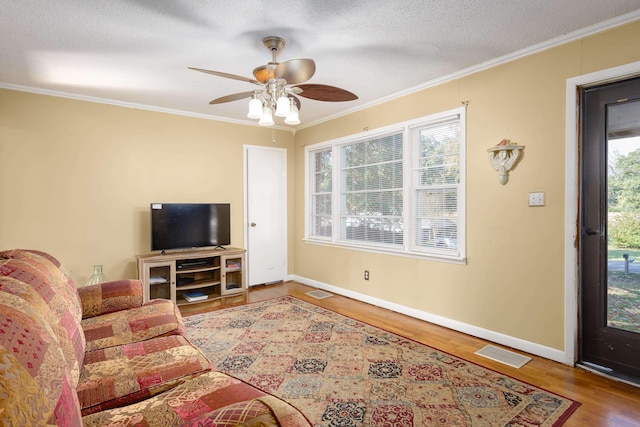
(378,250)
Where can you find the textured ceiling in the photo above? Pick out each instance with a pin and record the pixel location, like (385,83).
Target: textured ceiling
(137,51)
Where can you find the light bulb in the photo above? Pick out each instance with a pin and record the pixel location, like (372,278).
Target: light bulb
(292,117)
(255,108)
(267,117)
(282,106)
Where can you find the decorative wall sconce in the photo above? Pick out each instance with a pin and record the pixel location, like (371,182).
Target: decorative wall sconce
(503,157)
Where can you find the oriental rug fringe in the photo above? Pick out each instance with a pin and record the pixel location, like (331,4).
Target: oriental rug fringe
(341,372)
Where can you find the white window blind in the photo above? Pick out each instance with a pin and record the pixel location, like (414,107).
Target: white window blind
(371,208)
(436,182)
(321,193)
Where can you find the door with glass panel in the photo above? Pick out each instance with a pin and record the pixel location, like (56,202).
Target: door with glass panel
(610,229)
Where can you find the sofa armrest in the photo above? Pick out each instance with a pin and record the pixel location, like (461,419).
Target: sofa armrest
(110,296)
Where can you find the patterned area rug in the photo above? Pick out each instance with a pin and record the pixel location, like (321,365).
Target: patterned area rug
(344,373)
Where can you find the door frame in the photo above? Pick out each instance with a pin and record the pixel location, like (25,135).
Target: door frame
(572,196)
(245,162)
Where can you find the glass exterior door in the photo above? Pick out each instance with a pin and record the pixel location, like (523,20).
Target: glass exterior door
(610,225)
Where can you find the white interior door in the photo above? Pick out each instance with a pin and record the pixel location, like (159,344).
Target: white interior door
(266,214)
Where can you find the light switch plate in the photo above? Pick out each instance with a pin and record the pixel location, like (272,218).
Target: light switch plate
(536,198)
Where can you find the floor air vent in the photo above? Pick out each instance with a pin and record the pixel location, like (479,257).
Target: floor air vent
(319,294)
(503,356)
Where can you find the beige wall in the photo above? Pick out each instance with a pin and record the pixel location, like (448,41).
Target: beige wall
(77,178)
(513,282)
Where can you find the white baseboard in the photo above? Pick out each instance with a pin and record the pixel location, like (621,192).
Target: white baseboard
(486,334)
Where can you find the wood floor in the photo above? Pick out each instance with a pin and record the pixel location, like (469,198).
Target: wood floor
(605,402)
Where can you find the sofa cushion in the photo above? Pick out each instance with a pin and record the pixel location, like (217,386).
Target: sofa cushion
(27,253)
(121,375)
(211,399)
(35,385)
(40,282)
(108,297)
(155,318)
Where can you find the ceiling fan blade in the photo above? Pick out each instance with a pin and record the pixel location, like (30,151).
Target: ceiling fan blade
(326,93)
(296,71)
(226,75)
(231,98)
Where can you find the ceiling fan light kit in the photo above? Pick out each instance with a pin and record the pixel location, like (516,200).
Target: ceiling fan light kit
(282,106)
(277,95)
(267,117)
(255,108)
(292,117)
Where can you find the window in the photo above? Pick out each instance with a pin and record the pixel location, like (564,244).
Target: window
(371,194)
(321,194)
(436,185)
(398,190)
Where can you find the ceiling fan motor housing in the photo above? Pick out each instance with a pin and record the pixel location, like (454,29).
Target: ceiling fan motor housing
(274,44)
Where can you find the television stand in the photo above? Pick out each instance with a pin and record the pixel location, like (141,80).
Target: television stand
(207,276)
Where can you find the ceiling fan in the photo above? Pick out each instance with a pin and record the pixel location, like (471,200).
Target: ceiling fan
(279,84)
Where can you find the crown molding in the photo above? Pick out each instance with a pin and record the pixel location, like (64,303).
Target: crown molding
(117,103)
(558,41)
(540,47)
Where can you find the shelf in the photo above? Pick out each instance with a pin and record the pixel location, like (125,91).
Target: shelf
(180,300)
(196,285)
(197,270)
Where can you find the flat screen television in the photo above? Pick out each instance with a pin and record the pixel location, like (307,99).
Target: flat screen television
(189,225)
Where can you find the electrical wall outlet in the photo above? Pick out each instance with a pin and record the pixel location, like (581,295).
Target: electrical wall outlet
(536,198)
(366,275)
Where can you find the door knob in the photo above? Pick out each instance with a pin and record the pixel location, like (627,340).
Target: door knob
(591,232)
(253,224)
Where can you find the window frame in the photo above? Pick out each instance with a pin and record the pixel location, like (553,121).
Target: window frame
(410,131)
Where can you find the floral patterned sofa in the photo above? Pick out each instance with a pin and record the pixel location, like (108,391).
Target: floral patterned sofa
(97,355)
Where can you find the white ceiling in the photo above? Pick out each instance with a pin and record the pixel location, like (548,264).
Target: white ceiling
(136,52)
